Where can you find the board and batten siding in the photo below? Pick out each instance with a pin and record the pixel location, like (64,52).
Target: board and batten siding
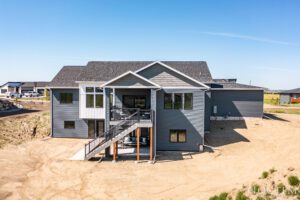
(166,77)
(67,112)
(237,103)
(89,113)
(190,120)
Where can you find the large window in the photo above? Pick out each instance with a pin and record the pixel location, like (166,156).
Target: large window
(99,101)
(188,101)
(90,101)
(69,124)
(134,101)
(66,98)
(168,103)
(177,101)
(177,136)
(93,97)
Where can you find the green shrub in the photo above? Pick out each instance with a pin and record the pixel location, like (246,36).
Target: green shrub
(265,174)
(260,198)
(241,196)
(290,192)
(293,180)
(222,196)
(280,188)
(272,170)
(255,188)
(214,198)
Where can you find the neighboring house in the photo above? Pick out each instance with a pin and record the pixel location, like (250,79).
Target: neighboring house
(10,87)
(22,87)
(170,104)
(290,96)
(38,86)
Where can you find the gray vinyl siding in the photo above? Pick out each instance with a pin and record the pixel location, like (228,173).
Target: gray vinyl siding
(166,77)
(190,120)
(237,103)
(285,99)
(130,80)
(67,112)
(120,92)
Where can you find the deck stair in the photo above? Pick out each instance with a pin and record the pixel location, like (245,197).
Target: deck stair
(113,135)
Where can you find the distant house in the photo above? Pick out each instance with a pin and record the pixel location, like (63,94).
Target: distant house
(10,87)
(34,86)
(290,96)
(22,87)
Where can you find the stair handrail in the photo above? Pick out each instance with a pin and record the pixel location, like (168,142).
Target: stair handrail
(111,133)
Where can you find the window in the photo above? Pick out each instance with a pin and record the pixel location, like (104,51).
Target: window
(3,91)
(89,89)
(188,101)
(168,101)
(132,101)
(93,97)
(99,101)
(69,124)
(90,101)
(66,98)
(177,101)
(178,136)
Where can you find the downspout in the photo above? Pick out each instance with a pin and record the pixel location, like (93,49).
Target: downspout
(154,158)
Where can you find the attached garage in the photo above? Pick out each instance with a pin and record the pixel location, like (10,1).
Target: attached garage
(237,103)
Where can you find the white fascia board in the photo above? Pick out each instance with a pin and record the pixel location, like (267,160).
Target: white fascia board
(134,74)
(200,88)
(254,89)
(62,87)
(172,69)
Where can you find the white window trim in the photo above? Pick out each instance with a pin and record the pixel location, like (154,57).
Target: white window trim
(94,95)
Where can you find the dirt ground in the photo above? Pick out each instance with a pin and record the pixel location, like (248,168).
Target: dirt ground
(40,169)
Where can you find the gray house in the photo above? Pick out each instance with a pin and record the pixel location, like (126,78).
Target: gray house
(161,105)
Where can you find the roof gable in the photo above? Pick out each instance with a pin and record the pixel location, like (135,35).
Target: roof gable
(130,80)
(166,76)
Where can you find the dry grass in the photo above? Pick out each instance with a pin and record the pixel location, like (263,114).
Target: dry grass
(272,99)
(20,128)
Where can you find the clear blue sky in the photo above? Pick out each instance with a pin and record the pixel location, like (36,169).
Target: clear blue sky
(248,40)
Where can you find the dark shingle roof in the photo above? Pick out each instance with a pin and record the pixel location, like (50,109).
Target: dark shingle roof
(35,84)
(66,77)
(233,85)
(297,90)
(107,70)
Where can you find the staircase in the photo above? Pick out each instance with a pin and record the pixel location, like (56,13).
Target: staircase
(114,134)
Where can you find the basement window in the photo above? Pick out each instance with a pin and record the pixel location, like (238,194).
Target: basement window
(178,136)
(69,124)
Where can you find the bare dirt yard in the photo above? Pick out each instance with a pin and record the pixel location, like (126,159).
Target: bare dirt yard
(40,169)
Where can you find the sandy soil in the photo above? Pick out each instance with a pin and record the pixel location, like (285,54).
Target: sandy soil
(40,169)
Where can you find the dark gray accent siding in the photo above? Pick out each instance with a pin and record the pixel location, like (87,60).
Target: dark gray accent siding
(120,92)
(67,112)
(191,120)
(237,103)
(207,110)
(285,99)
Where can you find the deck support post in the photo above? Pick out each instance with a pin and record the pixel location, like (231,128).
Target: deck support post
(138,133)
(115,145)
(151,144)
